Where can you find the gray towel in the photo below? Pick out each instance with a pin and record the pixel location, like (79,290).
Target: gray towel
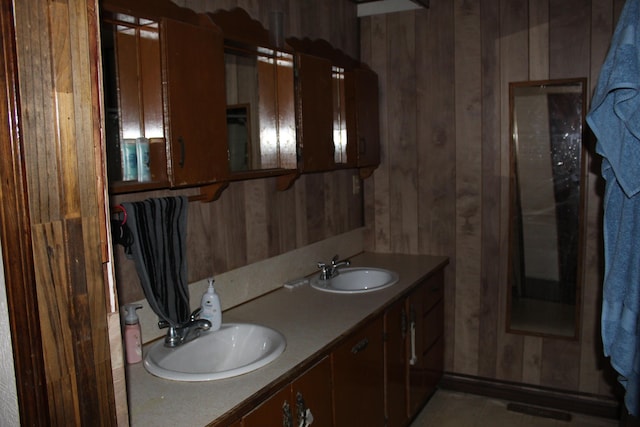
(159,228)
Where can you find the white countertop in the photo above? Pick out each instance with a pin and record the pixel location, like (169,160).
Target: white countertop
(309,319)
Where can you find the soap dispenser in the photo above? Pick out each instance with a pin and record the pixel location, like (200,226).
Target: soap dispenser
(211,307)
(132,334)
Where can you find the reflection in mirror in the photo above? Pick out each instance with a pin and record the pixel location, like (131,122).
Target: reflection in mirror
(339,115)
(259,84)
(239,135)
(547,120)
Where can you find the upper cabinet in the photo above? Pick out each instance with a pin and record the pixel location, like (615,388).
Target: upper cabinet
(200,99)
(196,125)
(343,93)
(314,90)
(165,112)
(363,121)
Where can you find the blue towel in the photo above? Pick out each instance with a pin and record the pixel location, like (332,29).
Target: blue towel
(615,121)
(158,248)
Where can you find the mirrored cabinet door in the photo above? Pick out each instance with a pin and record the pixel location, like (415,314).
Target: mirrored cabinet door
(260,102)
(260,120)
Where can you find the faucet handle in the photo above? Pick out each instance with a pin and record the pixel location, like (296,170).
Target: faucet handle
(194,315)
(336,263)
(162,323)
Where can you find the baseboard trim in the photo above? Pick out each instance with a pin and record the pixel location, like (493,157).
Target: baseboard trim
(583,403)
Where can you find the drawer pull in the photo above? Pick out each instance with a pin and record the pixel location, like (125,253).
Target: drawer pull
(412,327)
(360,346)
(287,418)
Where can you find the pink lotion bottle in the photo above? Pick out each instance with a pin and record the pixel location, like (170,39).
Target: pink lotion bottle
(132,334)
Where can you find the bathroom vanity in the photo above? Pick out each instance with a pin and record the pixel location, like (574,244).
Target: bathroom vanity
(351,359)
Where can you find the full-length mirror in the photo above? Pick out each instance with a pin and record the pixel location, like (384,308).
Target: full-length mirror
(546,208)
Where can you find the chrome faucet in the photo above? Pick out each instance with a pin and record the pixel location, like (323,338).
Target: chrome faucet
(329,271)
(188,331)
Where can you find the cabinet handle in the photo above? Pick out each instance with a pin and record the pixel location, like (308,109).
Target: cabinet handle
(182,151)
(304,415)
(300,409)
(287,420)
(414,359)
(360,346)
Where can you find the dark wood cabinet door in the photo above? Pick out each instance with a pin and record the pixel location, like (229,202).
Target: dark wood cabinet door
(426,317)
(363,121)
(395,324)
(272,412)
(358,378)
(311,396)
(195,103)
(417,387)
(314,111)
(308,398)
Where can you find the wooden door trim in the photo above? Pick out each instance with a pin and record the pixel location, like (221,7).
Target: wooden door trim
(17,251)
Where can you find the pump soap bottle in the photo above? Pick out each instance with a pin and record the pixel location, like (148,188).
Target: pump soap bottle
(211,307)
(132,334)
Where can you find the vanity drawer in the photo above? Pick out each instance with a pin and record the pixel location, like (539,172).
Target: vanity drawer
(433,290)
(433,325)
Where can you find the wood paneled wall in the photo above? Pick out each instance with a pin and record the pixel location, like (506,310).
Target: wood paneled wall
(252,220)
(58,128)
(442,187)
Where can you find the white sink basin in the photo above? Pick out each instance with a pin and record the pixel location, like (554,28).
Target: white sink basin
(357,280)
(234,349)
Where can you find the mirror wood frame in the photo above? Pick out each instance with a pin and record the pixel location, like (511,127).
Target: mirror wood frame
(515,216)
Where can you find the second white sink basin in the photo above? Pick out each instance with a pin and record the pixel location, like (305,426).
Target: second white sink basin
(357,280)
(234,349)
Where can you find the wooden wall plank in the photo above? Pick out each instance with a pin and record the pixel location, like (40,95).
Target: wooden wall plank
(401,121)
(435,111)
(569,38)
(538,40)
(435,136)
(314,209)
(36,72)
(257,227)
(301,223)
(514,65)
(285,214)
(491,147)
(16,240)
(380,183)
(559,367)
(531,360)
(468,73)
